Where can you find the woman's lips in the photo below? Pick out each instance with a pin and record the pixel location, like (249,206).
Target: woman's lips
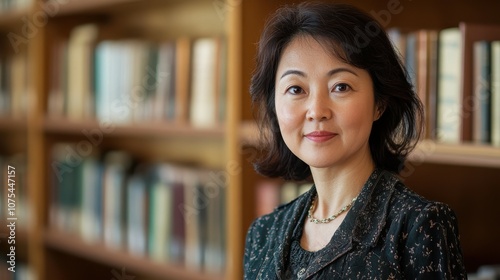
(320,136)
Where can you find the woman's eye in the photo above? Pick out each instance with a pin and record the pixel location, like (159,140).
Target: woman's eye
(294,90)
(341,87)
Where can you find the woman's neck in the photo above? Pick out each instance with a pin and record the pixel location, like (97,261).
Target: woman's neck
(337,186)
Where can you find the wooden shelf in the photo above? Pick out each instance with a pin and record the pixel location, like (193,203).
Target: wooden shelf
(13,125)
(456,154)
(57,240)
(77,7)
(143,130)
(13,17)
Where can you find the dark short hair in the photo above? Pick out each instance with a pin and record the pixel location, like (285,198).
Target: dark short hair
(356,38)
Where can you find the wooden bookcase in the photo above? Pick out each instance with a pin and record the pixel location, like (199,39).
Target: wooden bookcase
(464,176)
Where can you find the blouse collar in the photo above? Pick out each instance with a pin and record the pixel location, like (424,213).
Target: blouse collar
(362,224)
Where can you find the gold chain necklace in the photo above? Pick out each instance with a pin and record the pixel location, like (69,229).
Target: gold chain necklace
(332,217)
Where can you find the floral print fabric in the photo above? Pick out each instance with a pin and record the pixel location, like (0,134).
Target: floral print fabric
(389,233)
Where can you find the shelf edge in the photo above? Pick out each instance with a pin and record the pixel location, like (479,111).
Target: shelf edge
(456,154)
(72,244)
(147,129)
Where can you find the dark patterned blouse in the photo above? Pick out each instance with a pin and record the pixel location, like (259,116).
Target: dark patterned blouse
(389,233)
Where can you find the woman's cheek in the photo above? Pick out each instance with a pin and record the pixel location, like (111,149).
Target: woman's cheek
(287,117)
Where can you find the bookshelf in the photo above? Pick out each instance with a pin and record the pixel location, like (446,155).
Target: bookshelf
(227,145)
(54,253)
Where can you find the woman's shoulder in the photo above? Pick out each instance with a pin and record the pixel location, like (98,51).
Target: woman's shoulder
(415,207)
(282,214)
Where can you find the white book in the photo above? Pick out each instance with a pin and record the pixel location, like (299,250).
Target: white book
(104,74)
(123,78)
(204,83)
(161,217)
(449,101)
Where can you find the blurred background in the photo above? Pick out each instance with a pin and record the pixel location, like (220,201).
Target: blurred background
(127,132)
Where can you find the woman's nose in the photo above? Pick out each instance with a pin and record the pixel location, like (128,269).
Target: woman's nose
(319,106)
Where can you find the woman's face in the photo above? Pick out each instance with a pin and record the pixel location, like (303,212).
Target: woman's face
(325,107)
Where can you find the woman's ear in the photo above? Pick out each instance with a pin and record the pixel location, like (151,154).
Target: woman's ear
(379,111)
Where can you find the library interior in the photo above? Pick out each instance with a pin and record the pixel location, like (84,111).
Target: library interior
(139,166)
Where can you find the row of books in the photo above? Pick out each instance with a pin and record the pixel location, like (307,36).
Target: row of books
(136,80)
(166,212)
(8,5)
(14,193)
(272,193)
(456,73)
(13,83)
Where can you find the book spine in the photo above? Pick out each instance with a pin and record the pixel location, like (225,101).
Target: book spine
(481,92)
(449,119)
(495,93)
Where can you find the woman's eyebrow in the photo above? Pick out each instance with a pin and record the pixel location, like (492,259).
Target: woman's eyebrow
(330,73)
(293,72)
(341,69)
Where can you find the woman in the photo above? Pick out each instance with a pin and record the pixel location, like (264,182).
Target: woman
(337,107)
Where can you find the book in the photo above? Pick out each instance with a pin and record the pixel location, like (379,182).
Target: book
(91,228)
(191,208)
(214,255)
(481,126)
(204,85)
(182,79)
(80,53)
(115,169)
(432,84)
(222,82)
(426,78)
(160,227)
(164,104)
(62,174)
(105,81)
(449,98)
(138,93)
(495,93)
(137,214)
(411,58)
(177,245)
